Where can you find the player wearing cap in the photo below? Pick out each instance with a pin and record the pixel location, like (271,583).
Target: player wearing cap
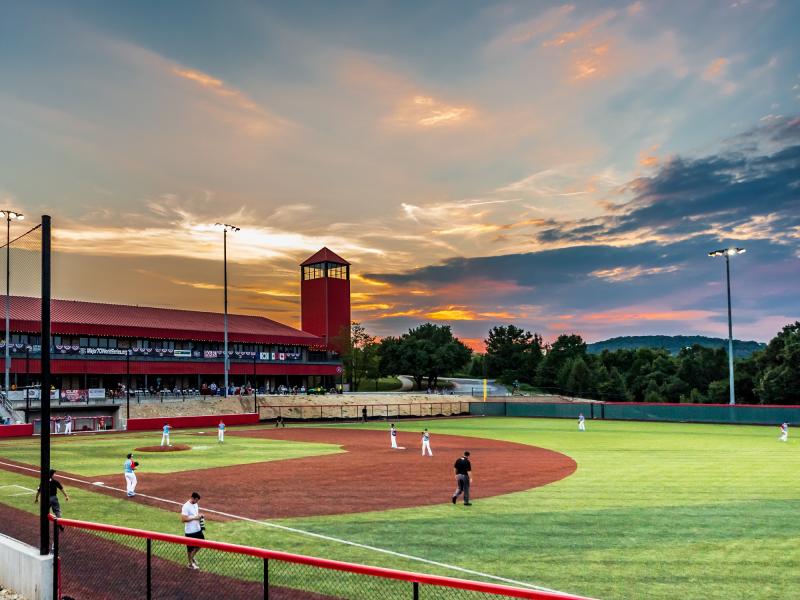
(130,475)
(426,442)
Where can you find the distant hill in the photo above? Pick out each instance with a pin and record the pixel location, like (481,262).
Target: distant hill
(673,343)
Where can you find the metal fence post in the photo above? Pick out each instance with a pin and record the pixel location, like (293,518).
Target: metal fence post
(266,579)
(149,569)
(416,590)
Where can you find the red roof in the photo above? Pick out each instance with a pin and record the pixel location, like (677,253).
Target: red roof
(73,317)
(324,255)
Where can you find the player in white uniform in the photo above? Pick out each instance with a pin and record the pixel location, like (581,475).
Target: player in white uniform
(581,422)
(68,425)
(221,432)
(426,443)
(784,432)
(165,434)
(393,436)
(130,475)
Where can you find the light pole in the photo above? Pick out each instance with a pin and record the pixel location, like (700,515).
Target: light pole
(225,228)
(727,253)
(9,215)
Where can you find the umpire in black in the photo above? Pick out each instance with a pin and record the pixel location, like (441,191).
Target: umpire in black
(463,470)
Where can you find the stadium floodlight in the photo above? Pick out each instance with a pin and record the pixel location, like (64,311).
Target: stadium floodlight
(727,253)
(226,227)
(9,215)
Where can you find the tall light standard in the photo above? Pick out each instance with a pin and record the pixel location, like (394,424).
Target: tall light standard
(727,253)
(9,215)
(225,228)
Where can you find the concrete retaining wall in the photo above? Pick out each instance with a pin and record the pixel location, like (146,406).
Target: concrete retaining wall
(24,570)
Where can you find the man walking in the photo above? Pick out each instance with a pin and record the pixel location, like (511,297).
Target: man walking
(193,526)
(165,434)
(393,436)
(463,470)
(54,486)
(130,475)
(581,422)
(784,432)
(426,442)
(221,432)
(364,414)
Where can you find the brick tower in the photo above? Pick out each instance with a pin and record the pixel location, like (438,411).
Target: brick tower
(325,295)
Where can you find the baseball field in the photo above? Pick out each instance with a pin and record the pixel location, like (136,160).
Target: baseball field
(623,510)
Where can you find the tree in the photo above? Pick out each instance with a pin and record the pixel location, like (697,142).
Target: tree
(427,351)
(359,352)
(512,354)
(779,379)
(565,348)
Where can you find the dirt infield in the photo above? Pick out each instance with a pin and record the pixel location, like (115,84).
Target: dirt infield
(367,476)
(175,448)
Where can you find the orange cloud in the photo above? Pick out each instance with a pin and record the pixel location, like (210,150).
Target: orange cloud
(591,63)
(427,112)
(452,314)
(673,315)
(474,344)
(715,69)
(628,273)
(584,30)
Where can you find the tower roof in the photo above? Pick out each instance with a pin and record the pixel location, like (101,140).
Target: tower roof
(324,255)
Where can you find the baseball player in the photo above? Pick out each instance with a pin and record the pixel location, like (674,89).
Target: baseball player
(784,432)
(426,442)
(581,422)
(221,432)
(68,425)
(165,434)
(130,475)
(393,436)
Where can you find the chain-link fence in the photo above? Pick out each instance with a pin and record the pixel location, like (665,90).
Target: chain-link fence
(354,412)
(105,562)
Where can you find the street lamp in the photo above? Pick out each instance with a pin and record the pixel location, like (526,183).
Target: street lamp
(727,253)
(9,215)
(225,228)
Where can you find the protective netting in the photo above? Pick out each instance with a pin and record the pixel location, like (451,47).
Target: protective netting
(105,565)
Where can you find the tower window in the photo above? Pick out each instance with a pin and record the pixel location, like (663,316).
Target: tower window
(315,271)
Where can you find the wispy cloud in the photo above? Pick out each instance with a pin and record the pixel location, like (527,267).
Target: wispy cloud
(427,112)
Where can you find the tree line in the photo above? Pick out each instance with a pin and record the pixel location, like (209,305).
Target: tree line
(696,374)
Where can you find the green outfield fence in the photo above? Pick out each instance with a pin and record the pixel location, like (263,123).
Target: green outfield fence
(104,562)
(742,414)
(353,412)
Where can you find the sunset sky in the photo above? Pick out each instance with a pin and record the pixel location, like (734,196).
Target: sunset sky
(562,167)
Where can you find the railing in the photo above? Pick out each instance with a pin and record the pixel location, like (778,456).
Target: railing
(80,424)
(103,561)
(351,412)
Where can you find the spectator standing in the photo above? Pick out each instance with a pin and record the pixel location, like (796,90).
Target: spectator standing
(193,526)
(463,469)
(364,414)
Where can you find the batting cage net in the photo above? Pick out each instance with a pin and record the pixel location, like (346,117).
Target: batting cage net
(104,562)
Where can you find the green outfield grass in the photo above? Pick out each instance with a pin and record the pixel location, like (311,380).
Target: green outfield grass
(92,455)
(655,510)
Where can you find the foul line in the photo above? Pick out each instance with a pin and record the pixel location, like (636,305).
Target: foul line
(312,534)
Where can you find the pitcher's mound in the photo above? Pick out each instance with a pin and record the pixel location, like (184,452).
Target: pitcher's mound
(175,448)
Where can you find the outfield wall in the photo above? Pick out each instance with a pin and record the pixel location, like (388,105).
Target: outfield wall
(156,423)
(24,429)
(743,414)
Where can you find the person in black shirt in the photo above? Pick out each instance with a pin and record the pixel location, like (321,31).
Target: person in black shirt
(364,414)
(54,486)
(463,470)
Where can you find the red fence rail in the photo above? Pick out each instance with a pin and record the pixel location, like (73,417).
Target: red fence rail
(105,561)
